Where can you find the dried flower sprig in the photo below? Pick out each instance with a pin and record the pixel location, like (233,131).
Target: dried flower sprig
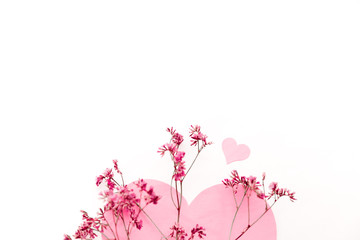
(249,185)
(197,139)
(123,206)
(125,203)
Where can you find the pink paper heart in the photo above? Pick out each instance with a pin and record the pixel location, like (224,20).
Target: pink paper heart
(213,209)
(234,152)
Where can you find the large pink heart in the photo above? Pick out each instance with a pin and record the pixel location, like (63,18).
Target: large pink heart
(234,152)
(213,209)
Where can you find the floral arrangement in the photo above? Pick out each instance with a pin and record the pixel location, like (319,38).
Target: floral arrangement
(125,208)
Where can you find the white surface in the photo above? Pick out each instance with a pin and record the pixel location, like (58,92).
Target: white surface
(85,82)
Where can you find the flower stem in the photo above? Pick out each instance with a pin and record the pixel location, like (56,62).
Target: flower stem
(249,226)
(171,189)
(199,150)
(237,209)
(248,198)
(109,227)
(152,221)
(101,233)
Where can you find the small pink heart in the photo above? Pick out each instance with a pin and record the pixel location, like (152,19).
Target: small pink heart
(234,152)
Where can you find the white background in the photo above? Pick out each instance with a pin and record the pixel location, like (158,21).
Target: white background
(85,82)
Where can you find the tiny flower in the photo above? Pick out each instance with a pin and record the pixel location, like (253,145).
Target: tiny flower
(171,130)
(141,184)
(171,147)
(179,156)
(177,138)
(178,231)
(67,237)
(197,230)
(273,186)
(179,172)
(116,166)
(110,184)
(99,180)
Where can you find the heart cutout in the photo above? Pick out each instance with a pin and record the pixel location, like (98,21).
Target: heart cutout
(213,209)
(234,152)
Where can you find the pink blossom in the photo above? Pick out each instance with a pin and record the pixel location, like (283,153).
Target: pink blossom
(197,230)
(108,173)
(177,138)
(99,180)
(171,147)
(178,232)
(171,130)
(249,183)
(280,192)
(196,136)
(116,166)
(67,237)
(179,172)
(179,156)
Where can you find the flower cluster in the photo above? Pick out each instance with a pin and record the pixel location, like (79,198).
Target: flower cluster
(123,204)
(176,155)
(250,184)
(197,139)
(108,177)
(87,228)
(280,192)
(197,136)
(121,213)
(178,232)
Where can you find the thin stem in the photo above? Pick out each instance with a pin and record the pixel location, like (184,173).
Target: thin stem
(117,182)
(248,227)
(101,233)
(199,150)
(171,188)
(109,226)
(181,193)
(123,221)
(264,194)
(234,197)
(151,221)
(178,202)
(237,209)
(122,179)
(248,198)
(115,222)
(232,224)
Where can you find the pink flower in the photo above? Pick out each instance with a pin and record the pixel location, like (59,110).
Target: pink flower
(179,156)
(171,147)
(99,180)
(179,172)
(178,231)
(171,130)
(196,136)
(86,229)
(249,183)
(273,186)
(116,166)
(67,237)
(280,192)
(141,184)
(197,230)
(152,197)
(108,173)
(177,138)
